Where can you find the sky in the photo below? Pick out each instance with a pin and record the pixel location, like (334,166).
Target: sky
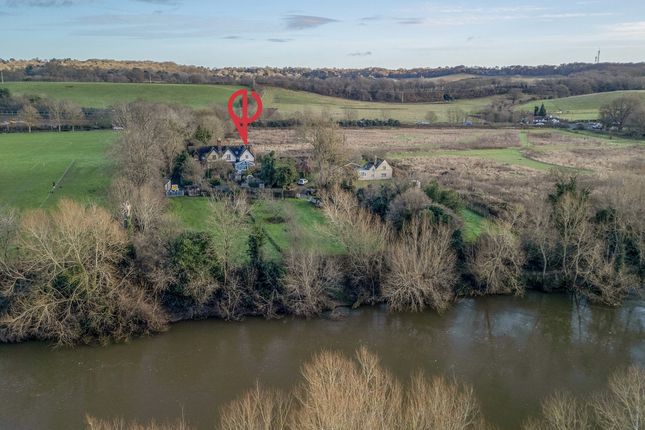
(326,33)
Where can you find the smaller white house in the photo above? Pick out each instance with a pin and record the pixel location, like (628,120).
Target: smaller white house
(373,170)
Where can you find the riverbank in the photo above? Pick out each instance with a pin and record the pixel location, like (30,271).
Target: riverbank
(513,351)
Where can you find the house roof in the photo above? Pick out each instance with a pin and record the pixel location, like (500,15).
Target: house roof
(237,150)
(370,164)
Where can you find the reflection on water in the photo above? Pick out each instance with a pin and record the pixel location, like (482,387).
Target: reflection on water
(514,351)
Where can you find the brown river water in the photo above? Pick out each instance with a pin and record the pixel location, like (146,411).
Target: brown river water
(514,351)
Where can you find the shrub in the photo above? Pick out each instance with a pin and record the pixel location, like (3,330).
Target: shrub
(497,261)
(422,268)
(448,198)
(309,281)
(65,283)
(621,406)
(407,206)
(192,257)
(92,423)
(340,393)
(364,239)
(257,409)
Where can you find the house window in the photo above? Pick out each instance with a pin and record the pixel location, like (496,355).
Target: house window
(362,173)
(383,175)
(228,157)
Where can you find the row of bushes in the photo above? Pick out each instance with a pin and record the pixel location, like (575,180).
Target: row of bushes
(593,247)
(75,274)
(338,392)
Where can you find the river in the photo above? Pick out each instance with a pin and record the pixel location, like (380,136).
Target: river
(514,351)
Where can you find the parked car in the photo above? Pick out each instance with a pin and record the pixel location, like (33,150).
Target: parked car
(302,181)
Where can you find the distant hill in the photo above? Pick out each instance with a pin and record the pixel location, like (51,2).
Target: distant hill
(286,102)
(368,84)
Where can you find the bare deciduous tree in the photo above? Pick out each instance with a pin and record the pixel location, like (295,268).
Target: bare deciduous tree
(498,260)
(146,202)
(364,238)
(422,267)
(29,115)
(617,112)
(328,148)
(309,281)
(562,411)
(228,215)
(538,232)
(71,260)
(72,114)
(92,423)
(8,229)
(340,393)
(257,409)
(55,111)
(153,136)
(622,406)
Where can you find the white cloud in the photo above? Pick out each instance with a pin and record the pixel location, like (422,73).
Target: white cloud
(625,31)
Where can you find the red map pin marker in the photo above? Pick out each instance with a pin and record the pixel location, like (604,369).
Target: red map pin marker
(242,124)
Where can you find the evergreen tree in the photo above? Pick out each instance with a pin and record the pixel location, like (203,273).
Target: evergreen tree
(542,112)
(204,135)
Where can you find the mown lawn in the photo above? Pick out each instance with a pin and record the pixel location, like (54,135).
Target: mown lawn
(104,94)
(286,223)
(30,163)
(585,107)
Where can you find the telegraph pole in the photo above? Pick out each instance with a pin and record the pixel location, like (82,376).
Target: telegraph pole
(2,76)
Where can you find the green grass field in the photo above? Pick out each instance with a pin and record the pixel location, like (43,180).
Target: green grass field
(29,163)
(101,95)
(196,96)
(288,102)
(285,222)
(511,156)
(576,108)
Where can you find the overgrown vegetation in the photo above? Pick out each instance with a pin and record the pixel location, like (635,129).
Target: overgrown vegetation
(620,406)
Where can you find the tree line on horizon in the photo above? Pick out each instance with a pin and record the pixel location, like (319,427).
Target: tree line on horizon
(370,84)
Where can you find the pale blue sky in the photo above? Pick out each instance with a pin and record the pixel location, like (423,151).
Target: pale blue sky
(326,33)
